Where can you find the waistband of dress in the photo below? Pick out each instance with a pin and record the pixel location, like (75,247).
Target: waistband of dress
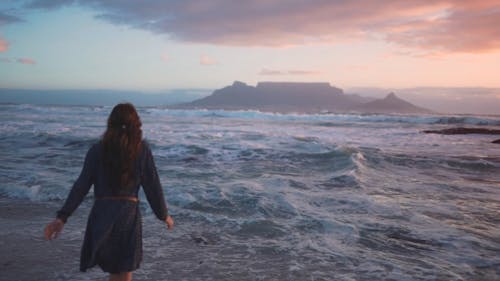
(125,198)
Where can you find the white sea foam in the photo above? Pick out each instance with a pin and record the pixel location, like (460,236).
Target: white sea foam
(354,190)
(374,118)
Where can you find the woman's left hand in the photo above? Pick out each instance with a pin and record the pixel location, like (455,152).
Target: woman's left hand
(170,222)
(53,229)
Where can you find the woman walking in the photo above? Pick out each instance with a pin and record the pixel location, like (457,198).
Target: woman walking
(116,166)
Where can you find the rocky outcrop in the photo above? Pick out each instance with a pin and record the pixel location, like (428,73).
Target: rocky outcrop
(462,131)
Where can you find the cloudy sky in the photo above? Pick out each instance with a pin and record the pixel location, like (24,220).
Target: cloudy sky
(161,44)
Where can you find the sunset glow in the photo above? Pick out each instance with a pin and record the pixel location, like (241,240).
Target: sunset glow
(169,44)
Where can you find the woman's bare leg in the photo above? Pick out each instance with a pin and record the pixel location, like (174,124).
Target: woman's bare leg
(122,276)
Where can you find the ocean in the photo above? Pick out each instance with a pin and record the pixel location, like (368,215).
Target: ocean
(269,196)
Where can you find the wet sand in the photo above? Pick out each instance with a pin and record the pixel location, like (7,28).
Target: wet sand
(26,255)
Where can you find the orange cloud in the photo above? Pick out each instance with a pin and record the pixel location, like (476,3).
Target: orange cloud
(206,60)
(26,61)
(4,45)
(165,57)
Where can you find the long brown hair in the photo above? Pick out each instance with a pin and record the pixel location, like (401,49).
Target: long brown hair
(122,143)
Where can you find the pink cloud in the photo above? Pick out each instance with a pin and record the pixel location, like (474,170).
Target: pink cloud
(26,61)
(440,25)
(270,72)
(165,57)
(303,72)
(298,72)
(206,60)
(358,67)
(4,45)
(464,28)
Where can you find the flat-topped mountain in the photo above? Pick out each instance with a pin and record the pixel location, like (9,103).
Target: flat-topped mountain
(298,97)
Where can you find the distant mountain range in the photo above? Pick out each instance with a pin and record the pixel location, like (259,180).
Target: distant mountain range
(301,98)
(266,96)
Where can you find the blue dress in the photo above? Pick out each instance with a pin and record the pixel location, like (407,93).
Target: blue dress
(113,237)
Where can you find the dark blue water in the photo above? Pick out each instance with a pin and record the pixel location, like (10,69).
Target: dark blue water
(288,197)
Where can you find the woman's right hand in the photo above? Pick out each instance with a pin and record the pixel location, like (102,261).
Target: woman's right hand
(53,229)
(170,222)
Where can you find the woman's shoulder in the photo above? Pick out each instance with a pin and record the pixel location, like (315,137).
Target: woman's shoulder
(93,151)
(145,145)
(96,147)
(145,153)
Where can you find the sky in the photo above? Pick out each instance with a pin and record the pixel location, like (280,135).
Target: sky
(153,45)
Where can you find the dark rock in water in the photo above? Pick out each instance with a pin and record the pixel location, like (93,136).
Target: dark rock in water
(463,131)
(496,141)
(407,237)
(80,143)
(261,228)
(200,240)
(190,159)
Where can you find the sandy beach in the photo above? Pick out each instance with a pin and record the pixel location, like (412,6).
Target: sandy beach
(26,255)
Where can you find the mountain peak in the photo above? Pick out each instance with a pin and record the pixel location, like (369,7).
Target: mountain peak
(238,83)
(391,95)
(392,104)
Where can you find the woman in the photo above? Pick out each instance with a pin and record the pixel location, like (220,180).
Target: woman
(117,166)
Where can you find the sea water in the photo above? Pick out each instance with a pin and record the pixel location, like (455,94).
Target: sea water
(290,196)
